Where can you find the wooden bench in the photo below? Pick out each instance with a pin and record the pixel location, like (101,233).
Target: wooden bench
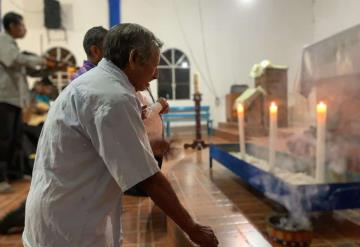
(186,114)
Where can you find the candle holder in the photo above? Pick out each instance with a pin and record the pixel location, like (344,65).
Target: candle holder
(198,143)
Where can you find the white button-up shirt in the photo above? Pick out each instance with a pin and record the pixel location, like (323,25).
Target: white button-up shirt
(93,146)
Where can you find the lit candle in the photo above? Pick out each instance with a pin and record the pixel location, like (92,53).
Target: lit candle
(240,111)
(273,134)
(196,83)
(321,110)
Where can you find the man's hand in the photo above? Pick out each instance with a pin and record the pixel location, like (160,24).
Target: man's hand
(161,192)
(50,63)
(53,64)
(164,104)
(144,112)
(203,236)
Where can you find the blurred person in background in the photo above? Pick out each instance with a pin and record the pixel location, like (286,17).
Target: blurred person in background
(14,93)
(93,46)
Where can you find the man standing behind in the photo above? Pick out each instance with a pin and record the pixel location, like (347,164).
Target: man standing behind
(14,92)
(94,146)
(93,45)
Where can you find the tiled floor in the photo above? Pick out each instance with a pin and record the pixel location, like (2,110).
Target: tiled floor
(192,180)
(215,197)
(9,202)
(144,224)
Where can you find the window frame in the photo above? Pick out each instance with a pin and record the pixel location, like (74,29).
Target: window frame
(174,66)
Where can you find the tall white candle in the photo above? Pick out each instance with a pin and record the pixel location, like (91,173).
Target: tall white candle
(196,83)
(240,112)
(321,110)
(273,109)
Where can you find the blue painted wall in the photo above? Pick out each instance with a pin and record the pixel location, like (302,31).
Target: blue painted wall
(114,12)
(0,16)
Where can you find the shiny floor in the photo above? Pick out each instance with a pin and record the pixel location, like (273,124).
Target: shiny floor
(215,197)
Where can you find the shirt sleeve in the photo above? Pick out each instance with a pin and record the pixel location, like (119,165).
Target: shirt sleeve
(140,97)
(117,133)
(11,56)
(155,110)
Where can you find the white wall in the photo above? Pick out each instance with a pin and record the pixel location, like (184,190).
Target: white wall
(236,35)
(333,16)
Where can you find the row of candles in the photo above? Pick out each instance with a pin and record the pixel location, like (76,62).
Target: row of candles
(321,110)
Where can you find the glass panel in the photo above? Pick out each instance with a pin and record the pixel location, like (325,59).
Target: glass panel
(165,76)
(164,90)
(185,59)
(164,83)
(183,63)
(182,75)
(182,92)
(167,54)
(178,55)
(162,61)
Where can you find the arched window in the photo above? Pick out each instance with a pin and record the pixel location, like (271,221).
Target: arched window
(174,75)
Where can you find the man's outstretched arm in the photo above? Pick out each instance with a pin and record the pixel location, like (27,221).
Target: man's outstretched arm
(161,192)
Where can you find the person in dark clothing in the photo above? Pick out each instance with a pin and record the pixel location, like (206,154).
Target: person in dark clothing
(14,221)
(14,94)
(10,140)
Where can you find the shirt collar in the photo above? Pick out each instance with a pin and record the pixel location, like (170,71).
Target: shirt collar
(10,37)
(88,64)
(110,67)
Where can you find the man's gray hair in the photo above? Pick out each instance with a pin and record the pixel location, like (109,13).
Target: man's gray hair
(125,37)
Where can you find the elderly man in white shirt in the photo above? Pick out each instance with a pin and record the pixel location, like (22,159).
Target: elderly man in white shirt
(94,146)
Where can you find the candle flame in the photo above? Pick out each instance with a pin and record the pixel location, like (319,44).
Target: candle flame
(321,107)
(273,107)
(240,108)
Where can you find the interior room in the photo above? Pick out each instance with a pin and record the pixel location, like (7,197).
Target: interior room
(139,123)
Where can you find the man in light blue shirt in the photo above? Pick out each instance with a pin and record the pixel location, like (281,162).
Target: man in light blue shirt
(94,146)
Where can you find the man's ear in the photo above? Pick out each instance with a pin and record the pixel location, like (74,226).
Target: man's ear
(133,57)
(12,26)
(94,51)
